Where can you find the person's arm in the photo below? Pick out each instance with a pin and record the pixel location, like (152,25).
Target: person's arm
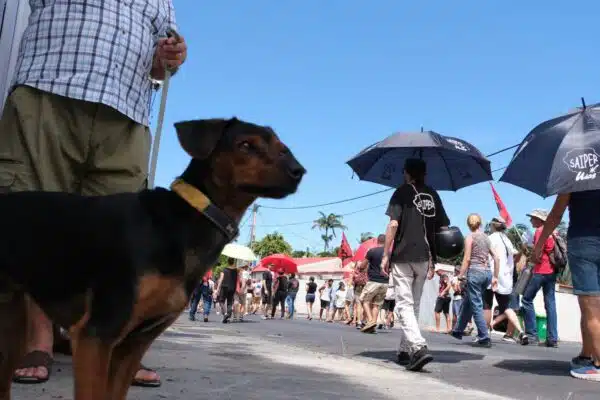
(169,52)
(394,211)
(446,289)
(558,209)
(496,259)
(466,256)
(219,282)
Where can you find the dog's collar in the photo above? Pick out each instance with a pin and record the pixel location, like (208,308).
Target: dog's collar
(200,202)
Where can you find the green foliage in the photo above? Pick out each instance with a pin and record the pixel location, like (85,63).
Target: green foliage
(364,236)
(327,254)
(273,243)
(328,223)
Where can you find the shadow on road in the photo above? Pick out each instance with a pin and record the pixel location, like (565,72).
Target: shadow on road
(440,356)
(536,367)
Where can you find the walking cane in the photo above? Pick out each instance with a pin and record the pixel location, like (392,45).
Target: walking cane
(161,118)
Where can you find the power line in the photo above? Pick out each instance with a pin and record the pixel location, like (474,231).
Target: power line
(374,193)
(330,203)
(312,221)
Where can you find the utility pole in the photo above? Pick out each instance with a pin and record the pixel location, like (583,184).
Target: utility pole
(253,226)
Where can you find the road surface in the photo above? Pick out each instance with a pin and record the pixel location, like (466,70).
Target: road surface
(300,359)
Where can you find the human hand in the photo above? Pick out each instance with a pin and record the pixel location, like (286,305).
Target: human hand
(494,284)
(385,261)
(170,53)
(430,273)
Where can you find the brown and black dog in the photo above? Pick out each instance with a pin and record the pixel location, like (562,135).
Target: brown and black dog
(118,270)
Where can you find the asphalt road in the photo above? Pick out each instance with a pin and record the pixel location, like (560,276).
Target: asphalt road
(300,359)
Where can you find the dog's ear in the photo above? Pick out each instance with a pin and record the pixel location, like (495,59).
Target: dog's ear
(200,137)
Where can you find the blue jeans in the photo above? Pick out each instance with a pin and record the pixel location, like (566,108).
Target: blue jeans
(547,283)
(207,303)
(478,279)
(584,262)
(289,302)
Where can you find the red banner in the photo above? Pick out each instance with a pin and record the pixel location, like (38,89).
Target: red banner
(501,207)
(345,250)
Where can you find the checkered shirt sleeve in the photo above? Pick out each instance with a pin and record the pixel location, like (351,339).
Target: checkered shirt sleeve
(96,50)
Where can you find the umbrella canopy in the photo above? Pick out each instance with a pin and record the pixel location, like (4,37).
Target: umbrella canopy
(365,246)
(239,252)
(452,163)
(278,262)
(561,155)
(259,268)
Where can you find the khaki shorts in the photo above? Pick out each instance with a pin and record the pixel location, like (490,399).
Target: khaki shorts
(358,289)
(374,292)
(53,143)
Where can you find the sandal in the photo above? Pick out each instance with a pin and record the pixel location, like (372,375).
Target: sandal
(34,359)
(144,382)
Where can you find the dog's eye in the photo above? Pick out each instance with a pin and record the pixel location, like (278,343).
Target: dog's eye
(245,145)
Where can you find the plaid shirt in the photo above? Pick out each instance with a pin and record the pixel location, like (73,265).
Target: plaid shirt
(95,50)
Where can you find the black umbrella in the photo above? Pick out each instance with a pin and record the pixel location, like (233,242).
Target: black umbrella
(451,163)
(559,156)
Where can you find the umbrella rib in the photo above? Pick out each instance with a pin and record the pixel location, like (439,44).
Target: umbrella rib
(447,169)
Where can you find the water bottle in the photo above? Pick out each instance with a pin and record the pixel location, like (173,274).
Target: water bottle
(523,281)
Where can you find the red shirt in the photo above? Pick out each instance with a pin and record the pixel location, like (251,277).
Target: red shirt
(544,267)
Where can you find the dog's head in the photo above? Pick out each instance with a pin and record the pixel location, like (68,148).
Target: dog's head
(245,157)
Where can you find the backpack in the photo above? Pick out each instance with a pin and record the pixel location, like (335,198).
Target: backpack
(558,255)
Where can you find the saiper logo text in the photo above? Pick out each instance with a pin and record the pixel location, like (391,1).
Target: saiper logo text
(425,204)
(583,162)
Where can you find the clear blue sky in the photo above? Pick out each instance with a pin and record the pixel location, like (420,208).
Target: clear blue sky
(335,76)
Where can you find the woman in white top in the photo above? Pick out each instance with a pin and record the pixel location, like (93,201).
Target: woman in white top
(506,254)
(339,301)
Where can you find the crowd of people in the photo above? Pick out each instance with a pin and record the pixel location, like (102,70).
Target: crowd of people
(386,287)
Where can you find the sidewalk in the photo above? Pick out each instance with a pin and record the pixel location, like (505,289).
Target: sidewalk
(224,362)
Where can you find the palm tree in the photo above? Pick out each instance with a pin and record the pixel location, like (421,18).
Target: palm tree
(328,223)
(364,236)
(516,232)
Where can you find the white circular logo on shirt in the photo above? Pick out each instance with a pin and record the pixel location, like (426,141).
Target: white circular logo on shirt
(425,204)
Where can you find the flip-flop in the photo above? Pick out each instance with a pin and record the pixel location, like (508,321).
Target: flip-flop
(146,383)
(34,359)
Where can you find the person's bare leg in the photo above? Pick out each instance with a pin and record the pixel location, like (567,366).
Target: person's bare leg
(590,324)
(40,337)
(513,321)
(448,324)
(367,312)
(586,345)
(487,314)
(375,313)
(437,321)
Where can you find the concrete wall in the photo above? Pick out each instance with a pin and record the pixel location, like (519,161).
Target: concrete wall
(567,308)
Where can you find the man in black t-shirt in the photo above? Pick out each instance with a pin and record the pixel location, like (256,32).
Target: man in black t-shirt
(373,294)
(416,214)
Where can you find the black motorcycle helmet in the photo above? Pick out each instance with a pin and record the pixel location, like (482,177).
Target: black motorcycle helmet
(449,243)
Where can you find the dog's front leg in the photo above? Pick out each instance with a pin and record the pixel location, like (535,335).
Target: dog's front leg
(91,361)
(127,356)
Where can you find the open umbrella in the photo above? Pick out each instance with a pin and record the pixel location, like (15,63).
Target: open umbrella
(238,252)
(362,250)
(278,262)
(561,155)
(452,163)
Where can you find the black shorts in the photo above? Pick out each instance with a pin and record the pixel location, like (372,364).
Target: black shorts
(310,298)
(388,305)
(503,301)
(324,304)
(442,304)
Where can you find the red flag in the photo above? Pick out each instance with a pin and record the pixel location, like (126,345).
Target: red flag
(345,250)
(501,207)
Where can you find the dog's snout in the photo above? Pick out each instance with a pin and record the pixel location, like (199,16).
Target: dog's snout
(295,169)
